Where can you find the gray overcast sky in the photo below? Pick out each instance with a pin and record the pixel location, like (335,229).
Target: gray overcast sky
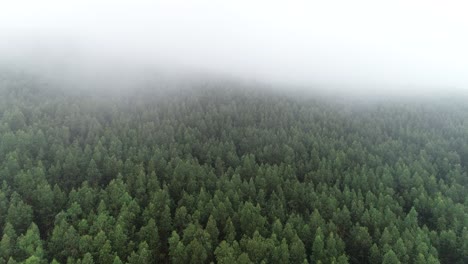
(400,43)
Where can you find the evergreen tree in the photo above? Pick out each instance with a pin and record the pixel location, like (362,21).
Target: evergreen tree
(141,256)
(390,258)
(30,244)
(318,247)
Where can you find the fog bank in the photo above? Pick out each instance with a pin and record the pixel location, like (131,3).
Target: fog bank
(366,46)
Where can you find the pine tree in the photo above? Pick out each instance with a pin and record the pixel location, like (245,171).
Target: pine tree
(229,231)
(375,256)
(196,251)
(318,247)
(225,254)
(251,219)
(19,214)
(119,241)
(93,175)
(176,249)
(117,260)
(105,253)
(149,233)
(87,259)
(6,247)
(297,250)
(390,258)
(212,230)
(30,244)
(141,256)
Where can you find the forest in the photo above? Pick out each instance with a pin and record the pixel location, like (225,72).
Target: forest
(219,172)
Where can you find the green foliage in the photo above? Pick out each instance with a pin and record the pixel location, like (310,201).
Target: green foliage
(390,258)
(225,253)
(30,245)
(229,175)
(176,249)
(19,214)
(141,256)
(318,250)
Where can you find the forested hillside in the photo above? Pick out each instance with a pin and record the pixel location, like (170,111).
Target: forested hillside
(229,175)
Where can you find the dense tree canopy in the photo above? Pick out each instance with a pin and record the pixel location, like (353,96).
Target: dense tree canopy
(229,175)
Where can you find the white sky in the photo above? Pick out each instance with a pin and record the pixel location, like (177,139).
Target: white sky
(399,43)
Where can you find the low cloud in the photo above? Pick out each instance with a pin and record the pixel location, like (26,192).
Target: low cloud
(393,46)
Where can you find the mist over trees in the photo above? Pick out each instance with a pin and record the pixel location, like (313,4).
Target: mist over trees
(304,132)
(219,172)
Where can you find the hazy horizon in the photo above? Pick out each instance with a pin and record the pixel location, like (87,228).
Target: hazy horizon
(397,47)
